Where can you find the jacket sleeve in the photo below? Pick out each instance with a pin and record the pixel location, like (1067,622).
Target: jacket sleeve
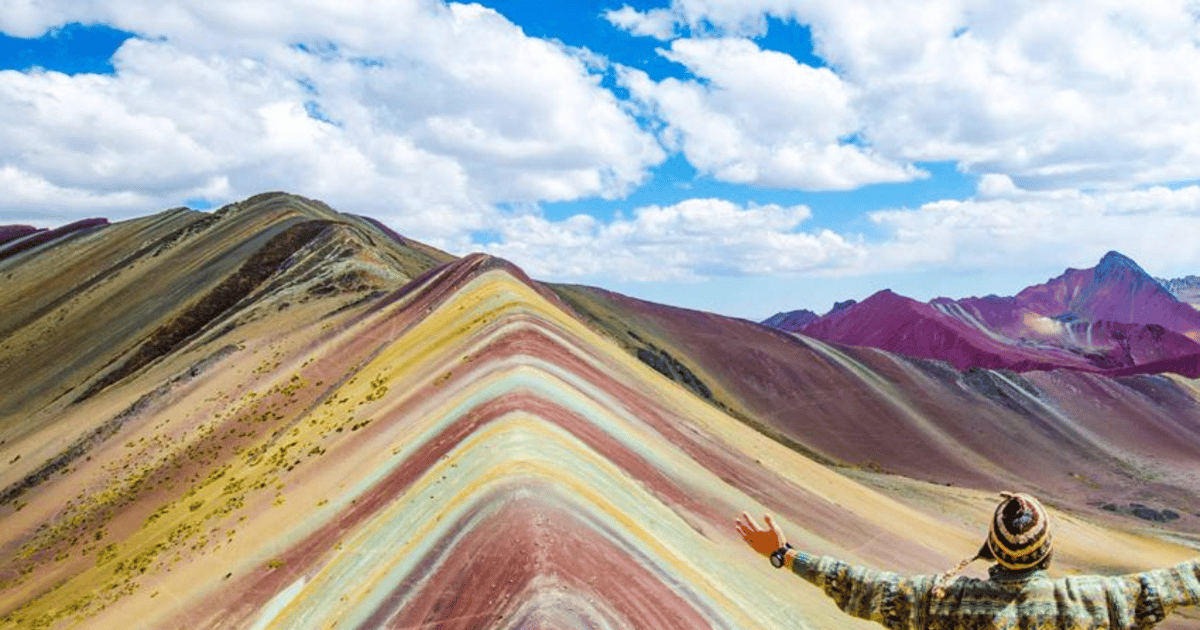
(1163,590)
(895,601)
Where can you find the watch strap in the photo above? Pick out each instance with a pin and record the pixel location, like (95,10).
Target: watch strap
(777,558)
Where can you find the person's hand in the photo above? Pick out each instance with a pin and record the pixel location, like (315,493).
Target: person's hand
(764,541)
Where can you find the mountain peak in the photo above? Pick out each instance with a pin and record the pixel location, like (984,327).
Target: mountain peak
(790,320)
(1114,264)
(837,306)
(1114,260)
(887,296)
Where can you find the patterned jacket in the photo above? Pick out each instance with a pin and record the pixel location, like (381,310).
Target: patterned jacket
(1026,600)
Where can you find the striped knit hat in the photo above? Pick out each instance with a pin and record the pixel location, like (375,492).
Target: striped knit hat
(1018,537)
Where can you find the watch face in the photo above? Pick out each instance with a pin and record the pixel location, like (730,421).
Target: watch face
(777,560)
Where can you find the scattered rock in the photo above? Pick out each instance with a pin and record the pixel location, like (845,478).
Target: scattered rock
(1144,512)
(669,366)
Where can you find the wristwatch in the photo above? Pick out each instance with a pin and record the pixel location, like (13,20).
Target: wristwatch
(777,558)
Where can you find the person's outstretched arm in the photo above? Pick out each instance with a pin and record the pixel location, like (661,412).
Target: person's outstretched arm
(887,598)
(1163,590)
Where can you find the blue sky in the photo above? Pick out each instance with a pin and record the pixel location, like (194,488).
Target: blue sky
(71,48)
(739,157)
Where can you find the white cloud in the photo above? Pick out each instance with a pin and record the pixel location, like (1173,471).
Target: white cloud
(30,199)
(656,23)
(759,117)
(432,116)
(1033,230)
(692,239)
(422,113)
(950,247)
(993,185)
(1072,93)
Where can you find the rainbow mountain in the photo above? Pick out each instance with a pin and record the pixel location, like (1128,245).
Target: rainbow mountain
(277,415)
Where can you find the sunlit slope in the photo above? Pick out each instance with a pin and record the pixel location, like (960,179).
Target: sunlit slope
(78,315)
(460,452)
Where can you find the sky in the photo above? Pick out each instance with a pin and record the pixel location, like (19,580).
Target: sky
(743,157)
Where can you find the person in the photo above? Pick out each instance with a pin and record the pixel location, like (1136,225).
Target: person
(1017,593)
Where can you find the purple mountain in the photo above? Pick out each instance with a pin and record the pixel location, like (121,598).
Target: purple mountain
(15,239)
(13,232)
(1116,290)
(1113,317)
(791,320)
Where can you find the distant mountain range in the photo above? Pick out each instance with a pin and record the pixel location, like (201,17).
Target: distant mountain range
(1186,289)
(1113,318)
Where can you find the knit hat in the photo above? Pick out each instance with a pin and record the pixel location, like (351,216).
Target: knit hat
(1018,537)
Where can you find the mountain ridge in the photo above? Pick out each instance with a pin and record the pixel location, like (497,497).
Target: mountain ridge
(1113,316)
(1186,289)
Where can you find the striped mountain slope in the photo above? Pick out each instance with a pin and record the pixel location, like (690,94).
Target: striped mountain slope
(281,416)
